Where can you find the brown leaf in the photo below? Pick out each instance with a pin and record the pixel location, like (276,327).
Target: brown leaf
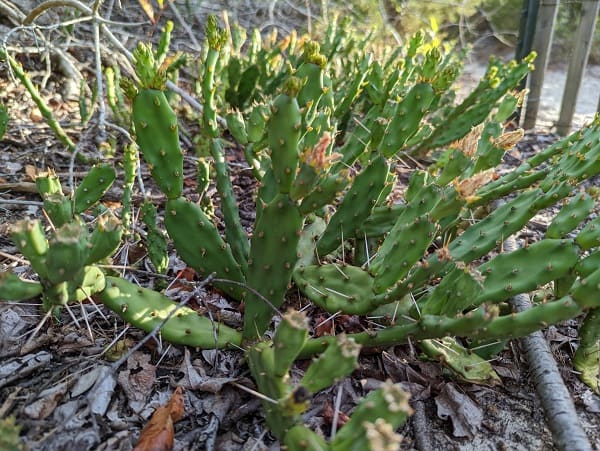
(137,380)
(158,435)
(324,326)
(465,414)
(328,414)
(148,9)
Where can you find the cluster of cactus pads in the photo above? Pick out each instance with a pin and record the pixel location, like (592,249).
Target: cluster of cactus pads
(324,128)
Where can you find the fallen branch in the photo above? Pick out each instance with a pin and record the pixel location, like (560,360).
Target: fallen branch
(556,401)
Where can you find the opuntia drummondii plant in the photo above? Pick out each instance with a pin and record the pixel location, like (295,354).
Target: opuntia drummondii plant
(324,129)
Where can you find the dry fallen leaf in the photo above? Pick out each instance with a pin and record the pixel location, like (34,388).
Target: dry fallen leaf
(465,414)
(158,435)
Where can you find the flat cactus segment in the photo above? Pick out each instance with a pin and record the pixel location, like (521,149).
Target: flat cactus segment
(93,186)
(89,281)
(234,232)
(307,242)
(13,288)
(482,237)
(156,243)
(290,336)
(273,255)
(588,264)
(405,245)
(586,291)
(375,419)
(526,268)
(48,183)
(406,119)
(257,122)
(261,360)
(145,308)
(28,236)
(454,294)
(301,438)
(312,89)
(520,324)
(157,135)
(105,238)
(381,220)
(237,127)
(59,208)
(356,206)
(67,252)
(284,135)
(570,215)
(324,193)
(337,361)
(453,163)
(587,357)
(589,237)
(469,365)
(199,244)
(337,288)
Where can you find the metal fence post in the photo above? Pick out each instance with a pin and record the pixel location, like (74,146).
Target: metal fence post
(579,57)
(541,44)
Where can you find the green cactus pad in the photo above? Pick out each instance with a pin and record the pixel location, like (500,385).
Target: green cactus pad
(523,323)
(237,127)
(526,268)
(455,293)
(589,236)
(381,220)
(324,193)
(13,288)
(283,135)
(91,189)
(337,288)
(570,216)
(157,135)
(404,246)
(468,365)
(273,255)
(589,264)
(301,438)
(145,308)
(261,361)
(388,405)
(59,208)
(356,206)
(313,87)
(586,291)
(257,121)
(452,164)
(290,336)
(156,243)
(199,244)
(29,238)
(507,219)
(48,183)
(407,117)
(67,252)
(105,238)
(337,361)
(234,232)
(88,282)
(587,357)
